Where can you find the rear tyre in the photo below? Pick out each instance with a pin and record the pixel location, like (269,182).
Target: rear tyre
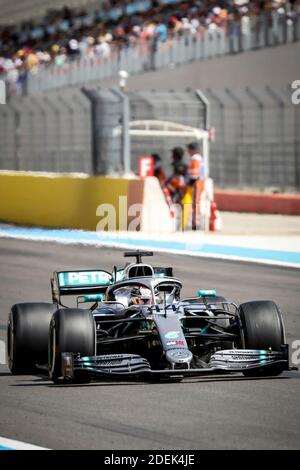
(71,330)
(27,336)
(262,328)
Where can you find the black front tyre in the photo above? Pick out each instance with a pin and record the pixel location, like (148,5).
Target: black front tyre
(27,336)
(262,328)
(71,330)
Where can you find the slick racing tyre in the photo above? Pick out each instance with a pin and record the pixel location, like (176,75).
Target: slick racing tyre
(27,336)
(71,330)
(262,328)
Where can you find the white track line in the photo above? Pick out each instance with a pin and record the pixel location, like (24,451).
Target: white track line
(18,445)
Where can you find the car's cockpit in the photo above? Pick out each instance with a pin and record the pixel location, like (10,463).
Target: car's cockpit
(145,291)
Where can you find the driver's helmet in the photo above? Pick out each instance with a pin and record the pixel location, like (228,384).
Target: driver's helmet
(141,295)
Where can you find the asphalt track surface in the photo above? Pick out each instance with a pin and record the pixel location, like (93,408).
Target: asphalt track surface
(229,412)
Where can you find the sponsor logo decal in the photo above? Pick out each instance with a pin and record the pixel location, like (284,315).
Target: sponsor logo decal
(175,343)
(84,278)
(172,335)
(116,362)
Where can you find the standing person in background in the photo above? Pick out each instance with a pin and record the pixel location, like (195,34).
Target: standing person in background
(159,172)
(177,155)
(196,170)
(195,181)
(176,183)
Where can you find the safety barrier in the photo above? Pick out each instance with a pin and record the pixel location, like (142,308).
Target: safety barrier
(237,201)
(52,200)
(79,201)
(73,201)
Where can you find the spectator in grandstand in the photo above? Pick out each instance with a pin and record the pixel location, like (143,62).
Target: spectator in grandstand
(69,33)
(103,48)
(160,31)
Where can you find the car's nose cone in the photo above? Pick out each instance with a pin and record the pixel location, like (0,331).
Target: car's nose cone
(179,356)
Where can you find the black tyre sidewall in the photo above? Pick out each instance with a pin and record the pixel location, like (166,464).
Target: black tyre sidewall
(262,325)
(262,328)
(71,330)
(27,336)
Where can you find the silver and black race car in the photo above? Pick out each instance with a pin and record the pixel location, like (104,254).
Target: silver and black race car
(133,323)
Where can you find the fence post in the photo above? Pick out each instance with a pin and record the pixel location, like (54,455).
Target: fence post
(17,135)
(71,117)
(295,20)
(107,114)
(58,127)
(96,154)
(125,131)
(203,99)
(240,157)
(43,113)
(220,136)
(260,105)
(280,103)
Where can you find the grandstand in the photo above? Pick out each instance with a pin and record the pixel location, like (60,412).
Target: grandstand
(13,12)
(243,59)
(72,46)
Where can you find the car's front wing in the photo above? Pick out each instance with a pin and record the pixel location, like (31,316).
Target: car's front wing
(130,365)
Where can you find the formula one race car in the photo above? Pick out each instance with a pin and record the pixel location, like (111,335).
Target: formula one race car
(133,323)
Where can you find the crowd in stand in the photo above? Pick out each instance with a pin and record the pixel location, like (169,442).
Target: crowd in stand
(70,34)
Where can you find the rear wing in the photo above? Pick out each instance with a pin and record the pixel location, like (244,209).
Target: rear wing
(79,283)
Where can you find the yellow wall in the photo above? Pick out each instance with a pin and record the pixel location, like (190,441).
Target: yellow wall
(50,200)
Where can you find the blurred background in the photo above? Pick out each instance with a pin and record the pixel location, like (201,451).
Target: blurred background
(61,61)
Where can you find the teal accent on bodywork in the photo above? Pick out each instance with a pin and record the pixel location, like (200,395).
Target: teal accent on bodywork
(204,330)
(264,351)
(93,297)
(206,293)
